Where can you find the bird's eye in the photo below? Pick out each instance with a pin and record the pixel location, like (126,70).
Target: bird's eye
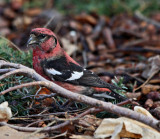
(42,35)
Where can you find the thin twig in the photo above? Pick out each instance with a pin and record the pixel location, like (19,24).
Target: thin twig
(149,78)
(146,19)
(34,97)
(2,71)
(39,130)
(11,73)
(25,70)
(46,25)
(43,115)
(21,86)
(11,43)
(40,97)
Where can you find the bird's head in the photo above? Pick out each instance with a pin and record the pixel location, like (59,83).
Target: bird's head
(42,38)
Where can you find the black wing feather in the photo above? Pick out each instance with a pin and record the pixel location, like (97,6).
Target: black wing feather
(88,78)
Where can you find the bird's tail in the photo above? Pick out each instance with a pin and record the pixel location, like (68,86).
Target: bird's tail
(111,87)
(117,96)
(111,92)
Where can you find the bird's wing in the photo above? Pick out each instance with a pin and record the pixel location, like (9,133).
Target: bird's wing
(61,70)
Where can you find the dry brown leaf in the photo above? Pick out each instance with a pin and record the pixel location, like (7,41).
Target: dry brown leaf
(90,122)
(87,29)
(149,88)
(47,101)
(17,4)
(9,13)
(152,67)
(85,18)
(4,23)
(5,112)
(125,127)
(148,103)
(33,11)
(133,95)
(75,25)
(155,81)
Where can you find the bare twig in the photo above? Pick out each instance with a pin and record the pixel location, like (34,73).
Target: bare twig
(149,78)
(25,70)
(2,71)
(21,86)
(46,25)
(135,42)
(40,129)
(81,98)
(43,115)
(11,73)
(40,97)
(146,19)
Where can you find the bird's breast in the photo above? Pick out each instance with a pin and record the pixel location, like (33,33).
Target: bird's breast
(37,65)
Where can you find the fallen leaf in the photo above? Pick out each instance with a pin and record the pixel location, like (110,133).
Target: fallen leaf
(5,112)
(90,122)
(149,88)
(9,13)
(125,127)
(33,11)
(46,101)
(85,18)
(142,111)
(75,25)
(148,103)
(4,22)
(152,67)
(17,4)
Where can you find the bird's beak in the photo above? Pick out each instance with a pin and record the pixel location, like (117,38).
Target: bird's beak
(32,40)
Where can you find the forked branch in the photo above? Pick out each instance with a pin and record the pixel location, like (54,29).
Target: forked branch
(75,96)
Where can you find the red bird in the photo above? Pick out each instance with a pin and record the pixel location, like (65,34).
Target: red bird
(53,63)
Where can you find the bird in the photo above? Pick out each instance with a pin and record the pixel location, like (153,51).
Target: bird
(52,62)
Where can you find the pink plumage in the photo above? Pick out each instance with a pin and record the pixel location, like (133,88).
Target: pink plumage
(53,63)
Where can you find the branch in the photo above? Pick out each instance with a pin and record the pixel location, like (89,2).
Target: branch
(40,97)
(2,71)
(11,73)
(25,70)
(21,86)
(85,99)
